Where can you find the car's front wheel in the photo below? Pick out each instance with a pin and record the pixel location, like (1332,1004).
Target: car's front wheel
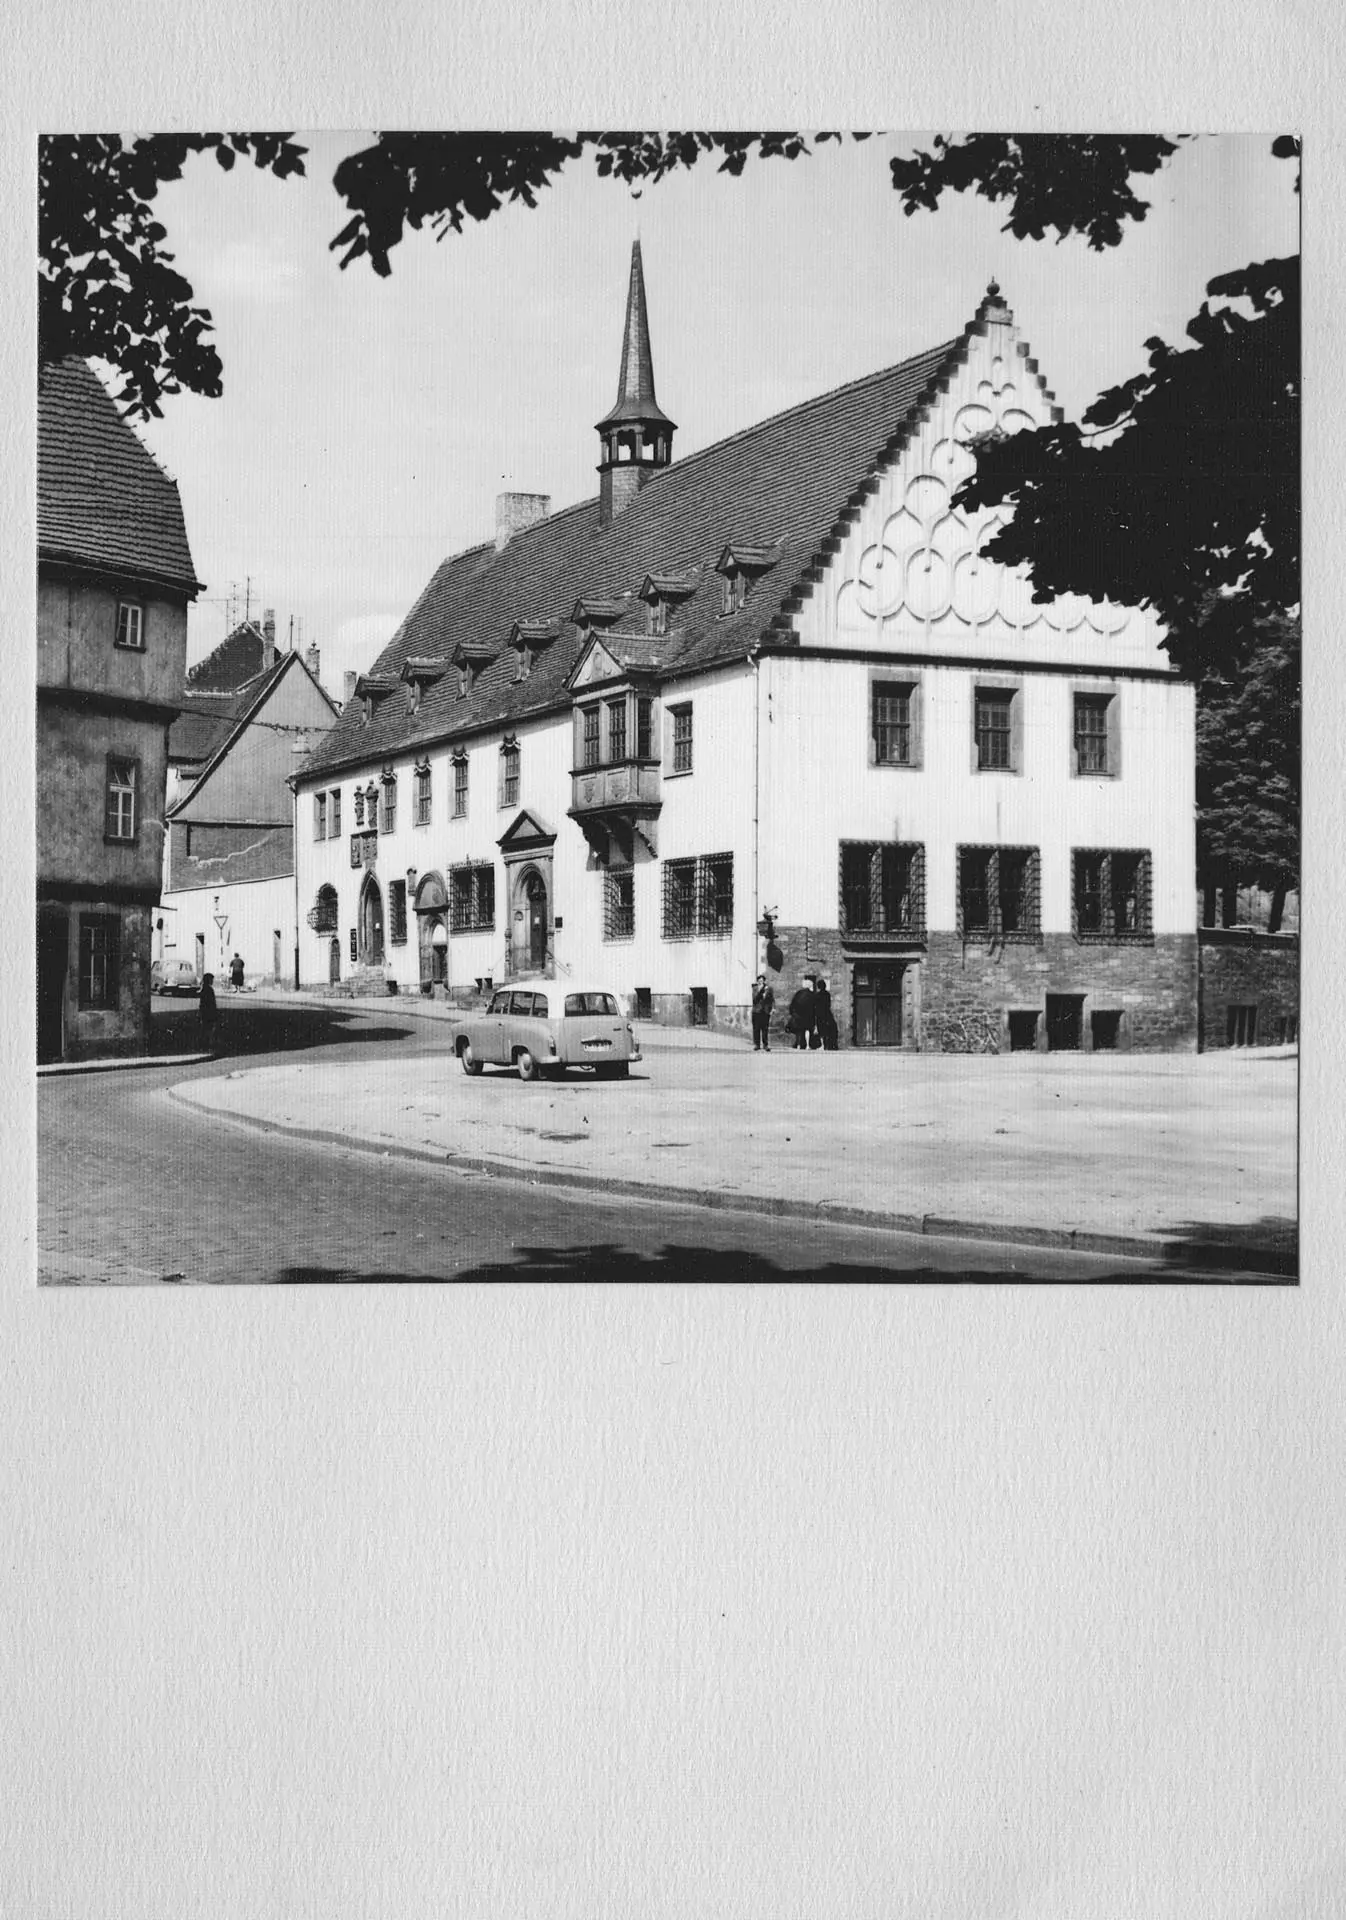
(470,1062)
(527,1065)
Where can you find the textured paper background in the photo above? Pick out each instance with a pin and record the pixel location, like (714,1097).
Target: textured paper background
(767,1602)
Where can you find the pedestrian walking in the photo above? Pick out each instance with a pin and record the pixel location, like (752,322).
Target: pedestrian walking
(824,1018)
(802,1009)
(207,1011)
(763,1000)
(236,974)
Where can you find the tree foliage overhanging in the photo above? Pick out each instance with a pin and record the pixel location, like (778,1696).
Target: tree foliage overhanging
(1178,491)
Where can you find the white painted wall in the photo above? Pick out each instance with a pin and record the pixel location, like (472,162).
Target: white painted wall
(820,788)
(707,811)
(252,911)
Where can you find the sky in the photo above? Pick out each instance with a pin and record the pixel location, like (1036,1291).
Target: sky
(367,425)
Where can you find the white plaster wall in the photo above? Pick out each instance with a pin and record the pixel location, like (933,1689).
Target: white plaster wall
(708,811)
(254,909)
(819,788)
(909,573)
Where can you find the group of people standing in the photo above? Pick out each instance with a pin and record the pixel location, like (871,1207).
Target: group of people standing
(810,1021)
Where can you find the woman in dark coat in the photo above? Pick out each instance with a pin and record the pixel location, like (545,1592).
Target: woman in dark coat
(802,1014)
(824,1017)
(207,1011)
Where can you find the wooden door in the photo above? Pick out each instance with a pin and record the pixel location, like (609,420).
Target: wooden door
(537,921)
(1065,1022)
(877,1002)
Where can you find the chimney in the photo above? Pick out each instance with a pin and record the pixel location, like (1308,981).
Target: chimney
(515,511)
(349,694)
(268,639)
(311,659)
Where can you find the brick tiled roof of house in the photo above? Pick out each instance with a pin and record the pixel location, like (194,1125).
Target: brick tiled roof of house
(789,484)
(240,657)
(103,500)
(206,721)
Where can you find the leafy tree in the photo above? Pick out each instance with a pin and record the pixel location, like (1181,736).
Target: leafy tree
(107,287)
(1248,769)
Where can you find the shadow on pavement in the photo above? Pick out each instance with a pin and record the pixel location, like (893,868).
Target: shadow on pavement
(712,1265)
(1270,1245)
(268,1028)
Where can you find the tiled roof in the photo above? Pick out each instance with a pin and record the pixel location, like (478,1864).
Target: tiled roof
(206,721)
(103,500)
(239,658)
(785,484)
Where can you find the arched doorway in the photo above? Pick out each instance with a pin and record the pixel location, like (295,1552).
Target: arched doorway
(535,907)
(432,914)
(371,923)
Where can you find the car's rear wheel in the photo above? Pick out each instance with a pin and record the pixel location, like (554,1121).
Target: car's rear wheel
(527,1065)
(470,1062)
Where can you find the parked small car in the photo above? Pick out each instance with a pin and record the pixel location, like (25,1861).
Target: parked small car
(179,976)
(545,1029)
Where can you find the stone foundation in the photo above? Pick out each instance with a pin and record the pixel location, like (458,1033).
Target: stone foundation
(1240,968)
(958,998)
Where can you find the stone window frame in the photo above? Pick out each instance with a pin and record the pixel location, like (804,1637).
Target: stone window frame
(885,680)
(334,814)
(511,775)
(122,776)
(128,605)
(460,786)
(1108,934)
(388,810)
(423,796)
(994,933)
(397,913)
(1013,685)
(320,815)
(100,984)
(699,914)
(680,746)
(619,903)
(914,929)
(471,904)
(1108,691)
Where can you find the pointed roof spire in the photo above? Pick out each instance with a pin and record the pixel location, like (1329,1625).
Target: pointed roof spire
(635,387)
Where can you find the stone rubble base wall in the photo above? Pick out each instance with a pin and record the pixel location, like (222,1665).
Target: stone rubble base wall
(1261,970)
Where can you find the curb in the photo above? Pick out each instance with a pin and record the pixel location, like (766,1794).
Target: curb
(1277,1264)
(113,1065)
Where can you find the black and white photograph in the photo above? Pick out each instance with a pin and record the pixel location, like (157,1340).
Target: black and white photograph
(716,706)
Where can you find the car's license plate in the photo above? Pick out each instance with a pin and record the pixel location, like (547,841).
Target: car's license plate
(591,1045)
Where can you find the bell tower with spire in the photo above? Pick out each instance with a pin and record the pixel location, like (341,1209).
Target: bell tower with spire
(636,435)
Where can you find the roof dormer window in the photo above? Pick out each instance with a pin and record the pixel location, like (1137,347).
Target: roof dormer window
(470,656)
(529,638)
(741,565)
(369,691)
(418,673)
(662,592)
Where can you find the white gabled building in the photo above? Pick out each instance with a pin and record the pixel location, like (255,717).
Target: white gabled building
(767,709)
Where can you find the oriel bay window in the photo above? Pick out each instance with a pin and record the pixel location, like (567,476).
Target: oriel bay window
(882,887)
(644,727)
(617,729)
(472,898)
(591,752)
(120,812)
(1111,894)
(999,893)
(699,897)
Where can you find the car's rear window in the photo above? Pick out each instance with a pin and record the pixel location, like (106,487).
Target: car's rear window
(581,1003)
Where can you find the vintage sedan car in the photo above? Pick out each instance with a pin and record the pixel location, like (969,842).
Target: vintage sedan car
(179,976)
(547,1028)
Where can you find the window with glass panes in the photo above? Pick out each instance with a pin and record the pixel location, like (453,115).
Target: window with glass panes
(509,774)
(397,912)
(119,814)
(644,727)
(320,816)
(679,899)
(699,897)
(616,730)
(882,887)
(1111,894)
(994,707)
(682,739)
(131,625)
(459,785)
(334,813)
(471,898)
(99,959)
(389,805)
(999,893)
(422,796)
(592,751)
(1091,733)
(893,742)
(619,904)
